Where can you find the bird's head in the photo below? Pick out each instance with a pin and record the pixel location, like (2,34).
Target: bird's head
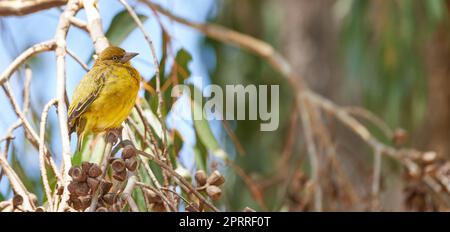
(115,55)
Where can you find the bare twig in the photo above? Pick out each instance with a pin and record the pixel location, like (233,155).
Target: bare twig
(158,84)
(312,152)
(48,191)
(78,60)
(104,165)
(30,133)
(16,184)
(160,194)
(20,7)
(25,107)
(36,49)
(178,177)
(60,37)
(376,178)
(79,23)
(126,194)
(373,119)
(247,42)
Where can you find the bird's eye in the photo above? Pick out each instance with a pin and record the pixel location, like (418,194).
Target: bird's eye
(115,58)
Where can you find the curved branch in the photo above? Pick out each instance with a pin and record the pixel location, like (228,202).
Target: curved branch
(48,191)
(36,49)
(19,7)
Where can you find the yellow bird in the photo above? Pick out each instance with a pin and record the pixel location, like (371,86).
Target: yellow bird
(106,95)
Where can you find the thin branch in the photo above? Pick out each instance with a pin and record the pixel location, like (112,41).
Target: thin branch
(179,177)
(25,107)
(376,178)
(60,37)
(78,60)
(16,183)
(20,7)
(158,83)
(241,40)
(22,58)
(126,194)
(30,133)
(79,23)
(373,119)
(110,139)
(312,152)
(160,194)
(155,181)
(48,191)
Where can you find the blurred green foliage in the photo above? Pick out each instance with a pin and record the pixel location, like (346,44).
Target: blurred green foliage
(383,44)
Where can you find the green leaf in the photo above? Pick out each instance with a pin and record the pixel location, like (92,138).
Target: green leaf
(121,26)
(202,127)
(178,73)
(138,196)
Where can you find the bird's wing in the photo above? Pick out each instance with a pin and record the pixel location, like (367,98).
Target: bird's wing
(85,93)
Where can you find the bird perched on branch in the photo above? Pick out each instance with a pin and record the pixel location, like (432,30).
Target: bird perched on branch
(105,96)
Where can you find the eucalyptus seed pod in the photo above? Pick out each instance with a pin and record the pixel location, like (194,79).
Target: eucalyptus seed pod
(60,190)
(85,201)
(101,209)
(200,177)
(39,209)
(400,137)
(118,165)
(85,166)
(115,208)
(429,157)
(248,209)
(17,200)
(105,186)
(81,189)
(71,170)
(78,175)
(158,207)
(128,152)
(92,183)
(109,198)
(120,176)
(111,159)
(94,171)
(216,178)
(214,192)
(71,187)
(131,164)
(152,196)
(72,197)
(76,204)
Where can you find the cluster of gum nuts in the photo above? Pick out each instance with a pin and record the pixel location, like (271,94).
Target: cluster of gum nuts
(210,184)
(87,179)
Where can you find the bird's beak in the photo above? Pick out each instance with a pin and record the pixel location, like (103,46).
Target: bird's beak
(128,56)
